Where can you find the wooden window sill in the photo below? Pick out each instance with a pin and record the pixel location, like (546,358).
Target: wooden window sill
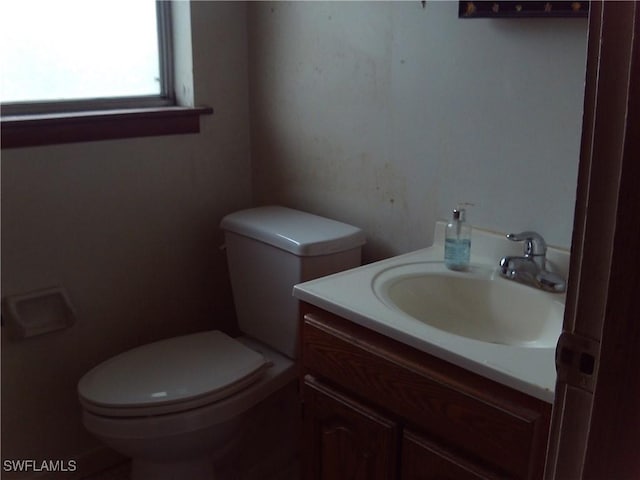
(50,129)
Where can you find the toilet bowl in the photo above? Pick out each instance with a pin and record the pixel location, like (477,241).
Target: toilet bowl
(179,406)
(184,442)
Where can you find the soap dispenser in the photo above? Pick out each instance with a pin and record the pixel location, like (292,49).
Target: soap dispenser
(457,241)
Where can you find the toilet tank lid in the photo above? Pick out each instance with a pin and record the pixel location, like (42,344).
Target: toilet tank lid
(300,233)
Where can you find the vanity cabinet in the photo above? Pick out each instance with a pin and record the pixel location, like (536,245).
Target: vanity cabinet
(376,408)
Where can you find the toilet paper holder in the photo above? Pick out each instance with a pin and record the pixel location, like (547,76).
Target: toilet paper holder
(37,312)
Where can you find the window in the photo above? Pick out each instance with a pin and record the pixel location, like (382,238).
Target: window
(69,63)
(75,54)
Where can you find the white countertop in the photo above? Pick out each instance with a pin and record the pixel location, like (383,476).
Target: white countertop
(350,295)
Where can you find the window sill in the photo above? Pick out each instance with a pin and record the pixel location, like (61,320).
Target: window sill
(50,129)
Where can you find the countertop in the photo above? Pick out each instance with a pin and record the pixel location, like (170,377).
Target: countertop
(350,295)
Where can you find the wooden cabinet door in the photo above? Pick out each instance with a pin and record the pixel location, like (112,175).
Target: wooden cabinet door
(345,440)
(423,460)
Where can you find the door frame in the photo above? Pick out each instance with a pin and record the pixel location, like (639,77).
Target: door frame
(595,427)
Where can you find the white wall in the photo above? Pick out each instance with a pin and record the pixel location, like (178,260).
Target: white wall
(385,115)
(130,229)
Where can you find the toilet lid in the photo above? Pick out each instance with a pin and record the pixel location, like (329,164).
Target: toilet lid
(171,375)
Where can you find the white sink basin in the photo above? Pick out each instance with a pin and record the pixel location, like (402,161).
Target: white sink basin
(478,304)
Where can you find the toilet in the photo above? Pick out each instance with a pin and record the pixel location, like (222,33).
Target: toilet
(176,407)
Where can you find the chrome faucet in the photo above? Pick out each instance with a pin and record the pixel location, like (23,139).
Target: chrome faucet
(530,268)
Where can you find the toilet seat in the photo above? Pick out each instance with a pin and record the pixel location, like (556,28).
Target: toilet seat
(282,373)
(171,376)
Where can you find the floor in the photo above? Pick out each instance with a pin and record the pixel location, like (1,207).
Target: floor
(123,472)
(118,472)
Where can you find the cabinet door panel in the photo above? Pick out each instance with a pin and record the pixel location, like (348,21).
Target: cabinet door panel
(423,460)
(345,440)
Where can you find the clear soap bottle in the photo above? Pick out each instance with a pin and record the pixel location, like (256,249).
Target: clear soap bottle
(457,242)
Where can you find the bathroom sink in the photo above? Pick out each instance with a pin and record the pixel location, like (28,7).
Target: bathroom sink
(477,304)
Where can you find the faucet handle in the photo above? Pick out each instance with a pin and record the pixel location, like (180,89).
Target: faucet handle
(534,244)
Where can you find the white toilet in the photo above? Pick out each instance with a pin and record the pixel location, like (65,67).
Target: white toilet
(175,406)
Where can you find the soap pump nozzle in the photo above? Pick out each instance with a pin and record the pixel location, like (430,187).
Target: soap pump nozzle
(460,215)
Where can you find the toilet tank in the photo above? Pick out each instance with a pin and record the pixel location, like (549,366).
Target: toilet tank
(269,250)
